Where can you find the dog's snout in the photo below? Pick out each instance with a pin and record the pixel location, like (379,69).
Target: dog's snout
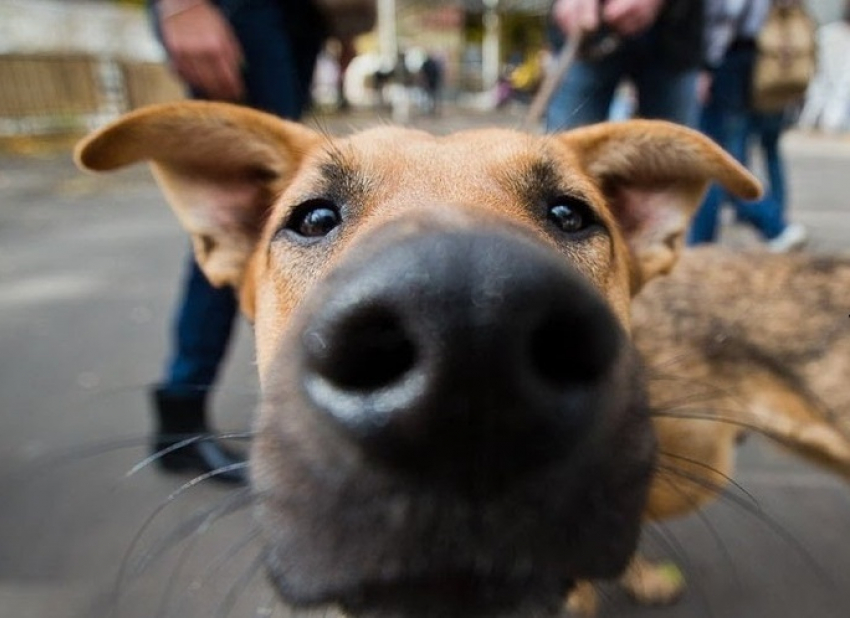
(462,357)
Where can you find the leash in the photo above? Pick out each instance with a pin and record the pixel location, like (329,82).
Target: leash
(553,78)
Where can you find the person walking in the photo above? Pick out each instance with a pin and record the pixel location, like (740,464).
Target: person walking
(259,53)
(729,118)
(654,44)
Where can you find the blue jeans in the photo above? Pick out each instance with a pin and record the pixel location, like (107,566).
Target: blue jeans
(584,96)
(767,128)
(280,47)
(728,119)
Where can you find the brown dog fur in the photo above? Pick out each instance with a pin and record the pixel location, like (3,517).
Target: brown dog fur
(234,178)
(746,341)
(737,342)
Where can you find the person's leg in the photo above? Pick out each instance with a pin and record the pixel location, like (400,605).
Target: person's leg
(281,45)
(706,220)
(704,225)
(781,235)
(663,93)
(277,78)
(201,332)
(770,127)
(667,95)
(726,120)
(766,214)
(732,90)
(585,94)
(202,328)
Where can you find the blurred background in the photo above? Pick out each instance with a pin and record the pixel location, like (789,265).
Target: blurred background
(88,273)
(67,63)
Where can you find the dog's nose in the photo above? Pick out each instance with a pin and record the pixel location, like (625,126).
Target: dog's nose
(462,357)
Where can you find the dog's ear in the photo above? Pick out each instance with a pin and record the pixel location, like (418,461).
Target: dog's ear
(654,175)
(220,167)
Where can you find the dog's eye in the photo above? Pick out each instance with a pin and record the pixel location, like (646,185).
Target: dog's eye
(314,218)
(570,215)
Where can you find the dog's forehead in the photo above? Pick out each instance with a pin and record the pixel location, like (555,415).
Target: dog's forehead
(414,155)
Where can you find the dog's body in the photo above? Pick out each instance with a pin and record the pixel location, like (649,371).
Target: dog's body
(453,418)
(738,341)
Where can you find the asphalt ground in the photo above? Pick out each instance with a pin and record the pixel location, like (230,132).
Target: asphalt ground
(89,267)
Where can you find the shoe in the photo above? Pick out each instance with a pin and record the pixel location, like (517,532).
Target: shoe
(183,417)
(793,237)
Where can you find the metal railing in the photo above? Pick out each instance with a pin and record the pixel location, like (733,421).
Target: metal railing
(48,93)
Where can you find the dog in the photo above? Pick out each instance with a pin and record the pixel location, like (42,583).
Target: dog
(453,420)
(775,360)
(737,342)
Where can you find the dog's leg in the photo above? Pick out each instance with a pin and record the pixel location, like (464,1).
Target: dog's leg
(653,583)
(797,423)
(583,600)
(647,582)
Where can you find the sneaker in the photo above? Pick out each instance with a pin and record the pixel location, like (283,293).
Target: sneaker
(793,237)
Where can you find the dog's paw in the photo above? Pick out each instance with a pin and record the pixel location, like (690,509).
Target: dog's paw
(651,583)
(583,601)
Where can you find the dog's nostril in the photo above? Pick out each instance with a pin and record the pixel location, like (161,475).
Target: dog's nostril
(567,351)
(366,351)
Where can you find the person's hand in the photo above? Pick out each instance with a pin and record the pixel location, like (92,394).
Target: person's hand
(203,48)
(704,87)
(625,17)
(576,16)
(628,17)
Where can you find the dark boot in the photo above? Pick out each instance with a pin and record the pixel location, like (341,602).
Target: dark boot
(181,417)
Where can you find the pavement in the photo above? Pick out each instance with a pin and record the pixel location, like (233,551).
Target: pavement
(89,267)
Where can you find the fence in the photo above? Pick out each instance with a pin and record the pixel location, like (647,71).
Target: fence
(41,93)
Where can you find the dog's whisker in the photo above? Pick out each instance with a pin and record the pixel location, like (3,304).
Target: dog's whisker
(267,608)
(706,521)
(665,537)
(44,462)
(242,435)
(191,531)
(716,415)
(242,465)
(220,561)
(707,394)
(726,478)
(671,361)
(566,122)
(134,387)
(125,570)
(78,453)
(721,490)
(710,390)
(698,401)
(241,583)
(763,517)
(63,458)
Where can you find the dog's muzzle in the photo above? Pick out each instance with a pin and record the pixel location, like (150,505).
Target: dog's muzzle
(457,427)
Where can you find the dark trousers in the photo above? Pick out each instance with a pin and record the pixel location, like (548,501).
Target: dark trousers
(280,42)
(728,119)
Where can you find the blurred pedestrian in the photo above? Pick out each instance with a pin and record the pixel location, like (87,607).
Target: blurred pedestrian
(828,99)
(765,129)
(729,117)
(655,44)
(259,53)
(431,73)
